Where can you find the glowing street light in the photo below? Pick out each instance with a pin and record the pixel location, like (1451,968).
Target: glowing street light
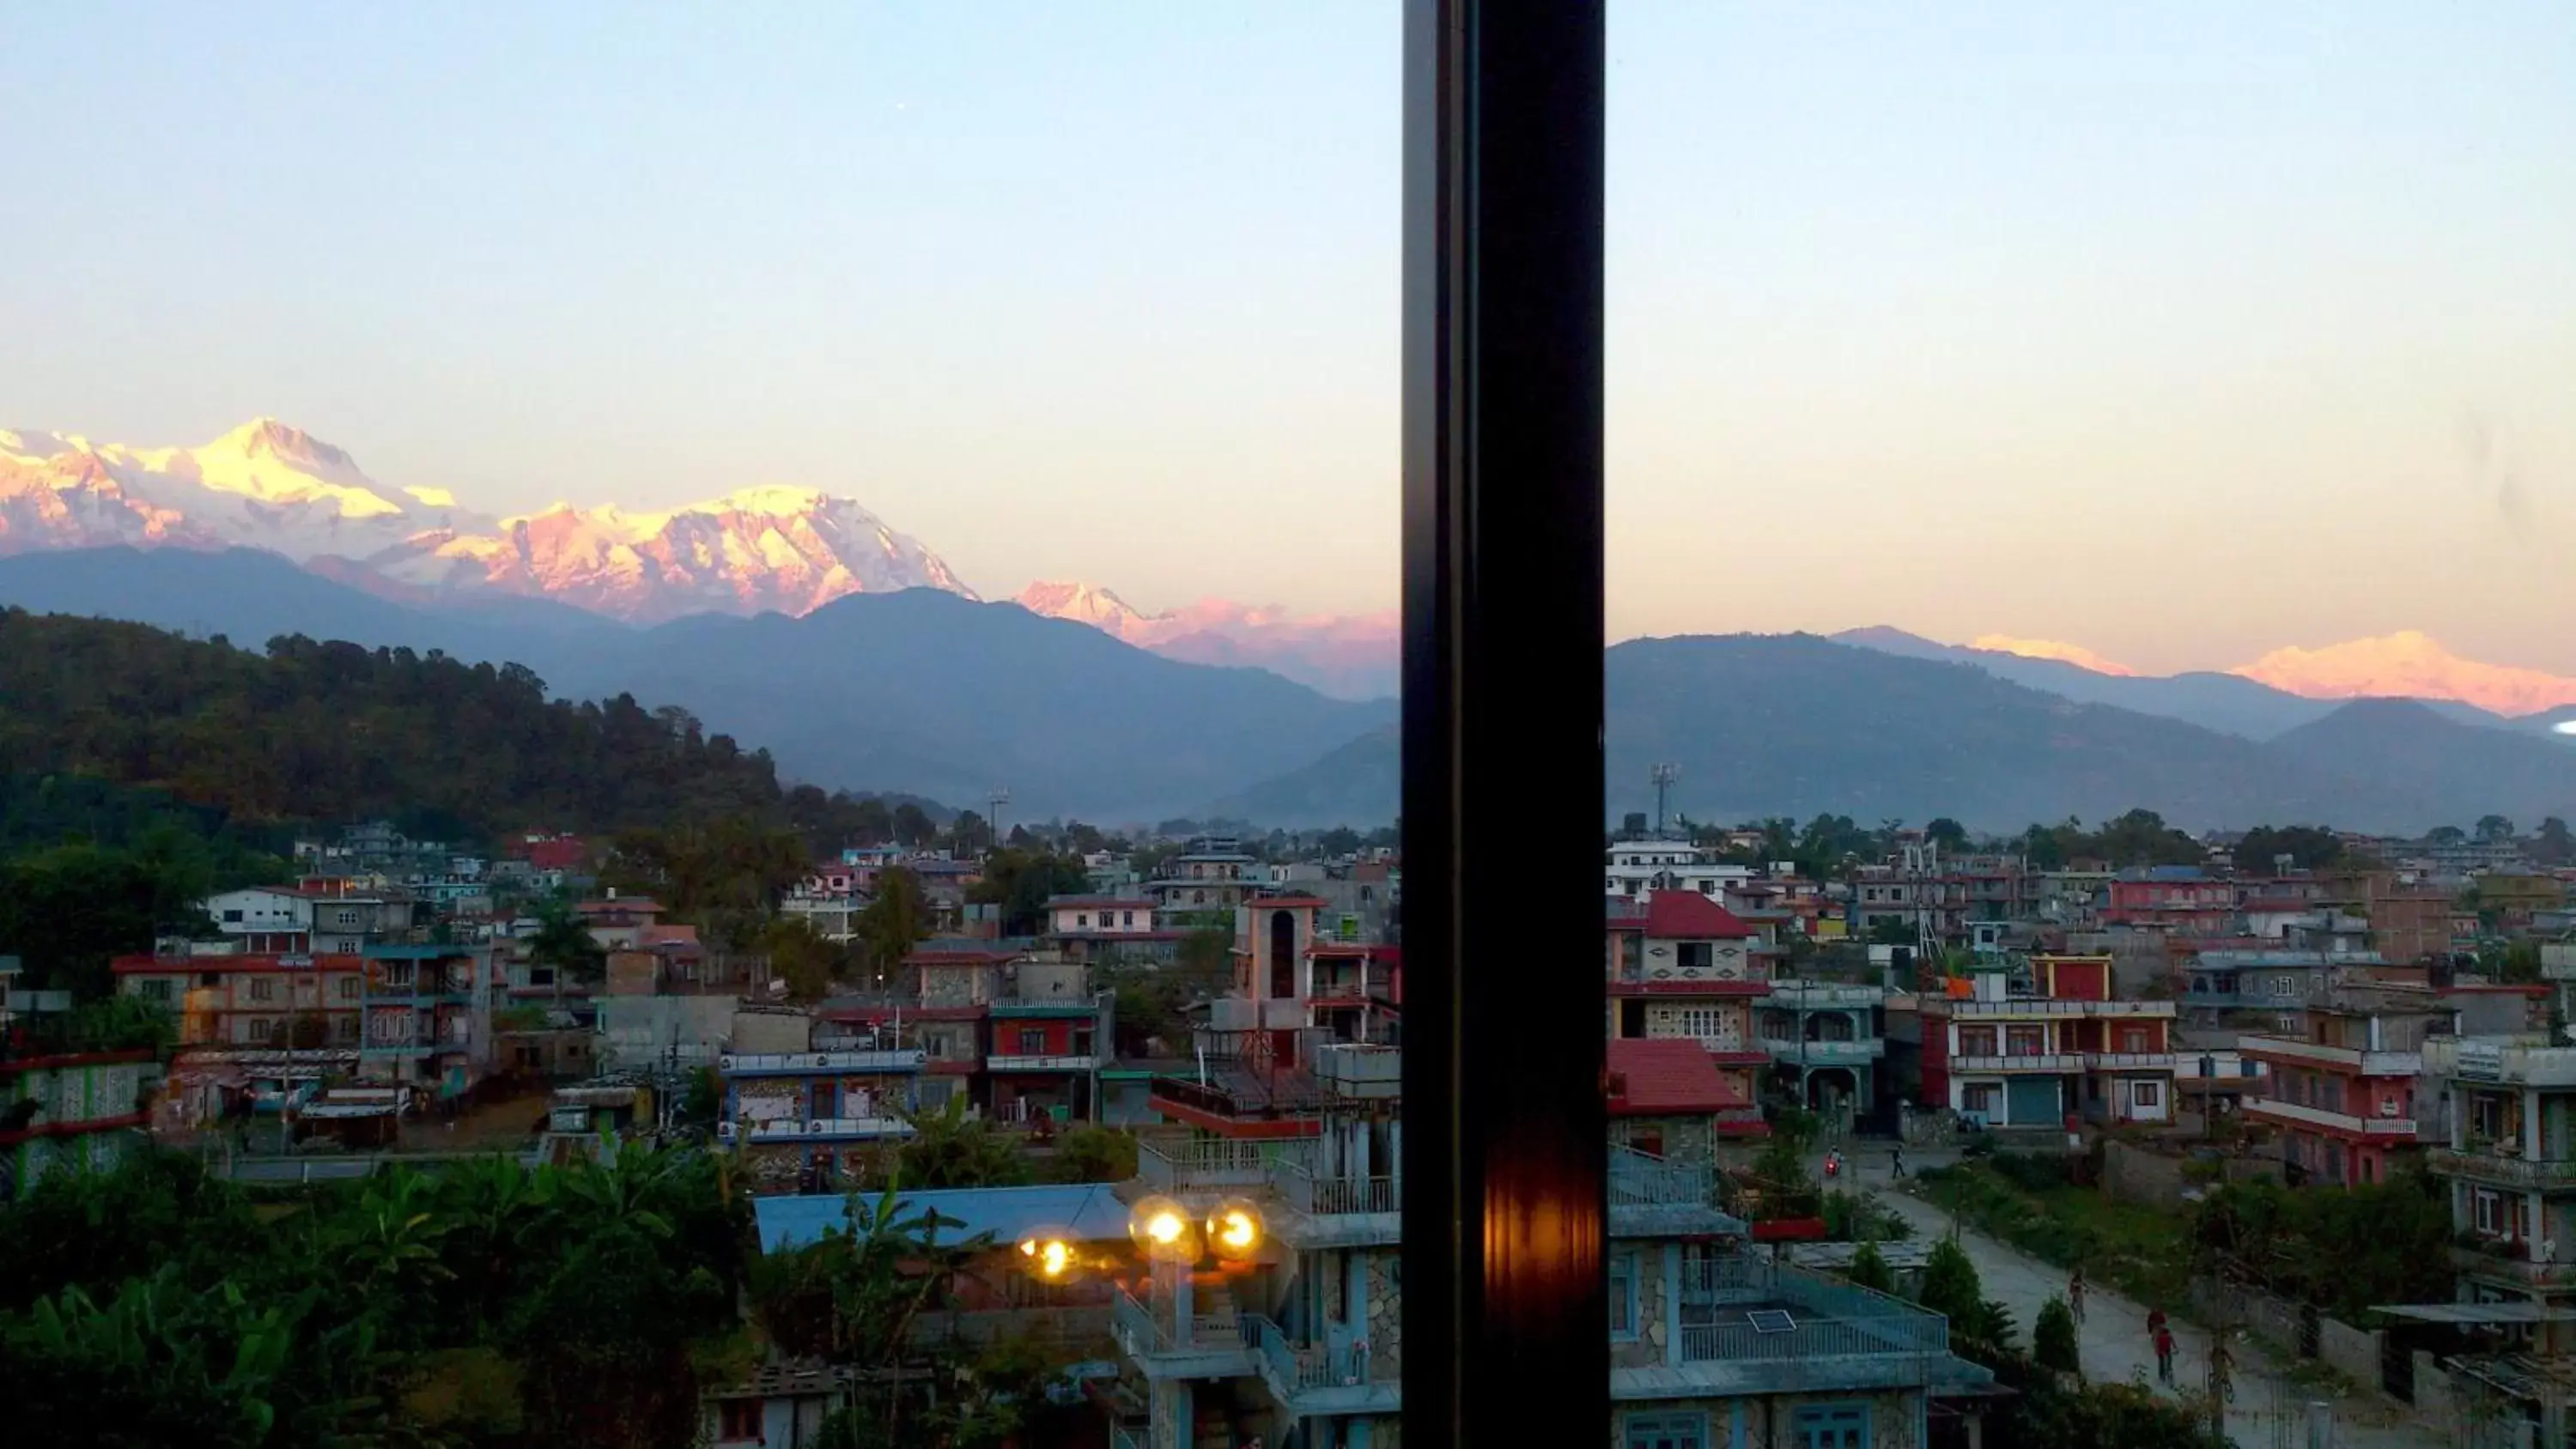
(1162,1229)
(1235,1229)
(1047,1255)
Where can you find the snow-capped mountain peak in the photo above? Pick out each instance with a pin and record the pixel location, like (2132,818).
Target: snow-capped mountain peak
(268,485)
(1085,604)
(2075,654)
(2408,664)
(1349,655)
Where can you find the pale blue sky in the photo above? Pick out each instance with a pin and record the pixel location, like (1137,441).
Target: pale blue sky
(2163,330)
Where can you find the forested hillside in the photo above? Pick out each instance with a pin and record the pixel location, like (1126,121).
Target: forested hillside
(333,732)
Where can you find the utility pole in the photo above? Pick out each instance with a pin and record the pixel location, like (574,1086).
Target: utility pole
(1663,777)
(1000,796)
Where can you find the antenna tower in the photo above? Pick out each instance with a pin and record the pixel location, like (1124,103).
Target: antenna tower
(999,797)
(1663,777)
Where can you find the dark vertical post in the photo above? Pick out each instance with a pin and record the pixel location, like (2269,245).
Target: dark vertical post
(1506,1309)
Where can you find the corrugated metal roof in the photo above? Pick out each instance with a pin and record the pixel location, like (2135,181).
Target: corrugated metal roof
(1087,1212)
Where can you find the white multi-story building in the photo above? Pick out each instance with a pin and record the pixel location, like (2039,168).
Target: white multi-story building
(1639,868)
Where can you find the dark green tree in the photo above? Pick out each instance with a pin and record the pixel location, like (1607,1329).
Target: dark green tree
(565,944)
(2053,1342)
(1869,1269)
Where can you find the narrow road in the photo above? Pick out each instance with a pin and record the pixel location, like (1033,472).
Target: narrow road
(2269,1408)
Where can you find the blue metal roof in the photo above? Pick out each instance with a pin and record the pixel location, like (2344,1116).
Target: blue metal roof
(1088,1212)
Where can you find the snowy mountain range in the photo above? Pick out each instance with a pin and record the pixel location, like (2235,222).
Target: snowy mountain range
(2404,665)
(791,550)
(1349,656)
(269,486)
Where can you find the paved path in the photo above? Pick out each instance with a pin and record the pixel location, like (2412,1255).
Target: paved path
(2268,1408)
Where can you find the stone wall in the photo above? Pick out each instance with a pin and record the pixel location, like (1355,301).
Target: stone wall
(771,1031)
(773,1166)
(1646,1350)
(952,985)
(2133,1174)
(1386,1317)
(1683,1139)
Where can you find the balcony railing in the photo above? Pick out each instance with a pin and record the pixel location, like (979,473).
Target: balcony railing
(2354,1059)
(2275,1109)
(1832,1319)
(1825,1053)
(1292,1366)
(2508,1258)
(1158,1332)
(1806,995)
(1201,1164)
(2501,1170)
(756,1064)
(1000,1062)
(1328,1195)
(2020,1062)
(2051,1006)
(2113,1061)
(1640,1180)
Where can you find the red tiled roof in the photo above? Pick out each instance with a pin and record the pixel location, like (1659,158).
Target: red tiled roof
(1666,1076)
(1258,901)
(1684,916)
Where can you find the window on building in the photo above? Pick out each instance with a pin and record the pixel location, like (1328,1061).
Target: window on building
(2025,1041)
(259,1028)
(1081,920)
(153,991)
(2489,1212)
(1032,1042)
(1666,1431)
(232,918)
(345,1026)
(2147,1095)
(262,989)
(1980,1097)
(1976,1041)
(1700,1021)
(2133,1039)
(1623,1293)
(738,1419)
(2487,1117)
(346,988)
(1830,1426)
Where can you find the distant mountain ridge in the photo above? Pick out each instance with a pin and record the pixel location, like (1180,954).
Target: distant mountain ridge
(2227,702)
(919,692)
(1799,725)
(925,693)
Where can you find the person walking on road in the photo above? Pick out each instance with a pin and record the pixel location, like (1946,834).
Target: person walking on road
(1897,1162)
(2075,1293)
(2164,1354)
